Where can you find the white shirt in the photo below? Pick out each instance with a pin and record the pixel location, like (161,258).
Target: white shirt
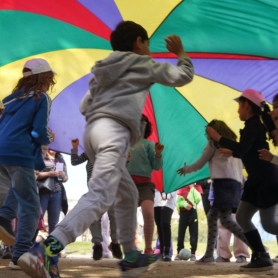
(170,202)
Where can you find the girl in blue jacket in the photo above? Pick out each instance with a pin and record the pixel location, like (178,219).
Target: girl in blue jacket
(23,129)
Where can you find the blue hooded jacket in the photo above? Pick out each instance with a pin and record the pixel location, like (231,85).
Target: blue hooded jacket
(23,129)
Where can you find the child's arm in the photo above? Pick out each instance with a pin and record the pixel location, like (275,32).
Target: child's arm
(268,156)
(154,155)
(246,139)
(169,75)
(199,164)
(75,159)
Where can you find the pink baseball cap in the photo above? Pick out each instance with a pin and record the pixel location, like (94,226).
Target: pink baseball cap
(253,95)
(36,65)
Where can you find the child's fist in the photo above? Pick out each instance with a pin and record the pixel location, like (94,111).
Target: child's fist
(75,143)
(158,149)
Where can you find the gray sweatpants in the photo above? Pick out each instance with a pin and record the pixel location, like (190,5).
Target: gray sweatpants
(106,144)
(96,229)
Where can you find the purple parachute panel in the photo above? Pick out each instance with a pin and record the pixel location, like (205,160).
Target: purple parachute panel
(65,114)
(105,10)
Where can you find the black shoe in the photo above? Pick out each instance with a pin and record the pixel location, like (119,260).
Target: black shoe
(7,252)
(115,248)
(260,261)
(6,231)
(97,253)
(166,254)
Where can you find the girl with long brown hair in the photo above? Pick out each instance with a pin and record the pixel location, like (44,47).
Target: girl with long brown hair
(23,129)
(227,179)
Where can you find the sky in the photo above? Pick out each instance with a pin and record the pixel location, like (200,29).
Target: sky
(76,185)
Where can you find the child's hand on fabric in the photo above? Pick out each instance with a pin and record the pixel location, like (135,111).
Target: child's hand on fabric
(182,171)
(158,149)
(265,155)
(174,45)
(75,143)
(188,207)
(213,133)
(225,152)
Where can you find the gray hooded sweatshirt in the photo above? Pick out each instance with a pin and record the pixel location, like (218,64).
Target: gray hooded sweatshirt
(121,83)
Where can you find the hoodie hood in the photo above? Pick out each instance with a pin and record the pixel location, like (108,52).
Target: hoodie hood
(107,71)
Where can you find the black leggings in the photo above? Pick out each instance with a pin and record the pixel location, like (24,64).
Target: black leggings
(162,217)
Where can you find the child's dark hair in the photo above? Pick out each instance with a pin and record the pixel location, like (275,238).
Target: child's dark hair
(275,98)
(222,128)
(148,129)
(255,108)
(264,112)
(125,34)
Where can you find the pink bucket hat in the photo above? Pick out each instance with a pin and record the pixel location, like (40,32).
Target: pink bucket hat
(253,95)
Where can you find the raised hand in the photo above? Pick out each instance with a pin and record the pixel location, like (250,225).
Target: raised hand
(75,143)
(174,44)
(158,149)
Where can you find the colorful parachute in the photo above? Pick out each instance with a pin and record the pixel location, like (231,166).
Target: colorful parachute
(233,47)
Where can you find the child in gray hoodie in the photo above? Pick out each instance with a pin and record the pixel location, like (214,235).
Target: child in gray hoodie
(113,107)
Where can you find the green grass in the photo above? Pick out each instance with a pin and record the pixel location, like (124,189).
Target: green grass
(85,247)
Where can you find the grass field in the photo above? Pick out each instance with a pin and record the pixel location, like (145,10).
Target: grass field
(85,248)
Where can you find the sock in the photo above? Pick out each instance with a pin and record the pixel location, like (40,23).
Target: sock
(131,256)
(255,241)
(53,246)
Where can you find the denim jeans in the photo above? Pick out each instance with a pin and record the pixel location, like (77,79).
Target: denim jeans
(23,202)
(52,203)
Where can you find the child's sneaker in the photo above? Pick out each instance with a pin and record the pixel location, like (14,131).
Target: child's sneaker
(148,251)
(6,231)
(115,248)
(7,252)
(143,263)
(37,264)
(13,264)
(193,258)
(204,260)
(97,251)
(178,258)
(260,261)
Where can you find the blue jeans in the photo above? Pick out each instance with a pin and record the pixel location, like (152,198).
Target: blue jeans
(23,202)
(52,203)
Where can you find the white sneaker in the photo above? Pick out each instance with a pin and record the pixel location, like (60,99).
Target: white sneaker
(107,256)
(14,266)
(275,260)
(177,258)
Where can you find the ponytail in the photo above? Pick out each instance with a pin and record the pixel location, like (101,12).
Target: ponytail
(268,122)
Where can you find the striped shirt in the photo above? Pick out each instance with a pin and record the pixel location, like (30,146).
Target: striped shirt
(79,159)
